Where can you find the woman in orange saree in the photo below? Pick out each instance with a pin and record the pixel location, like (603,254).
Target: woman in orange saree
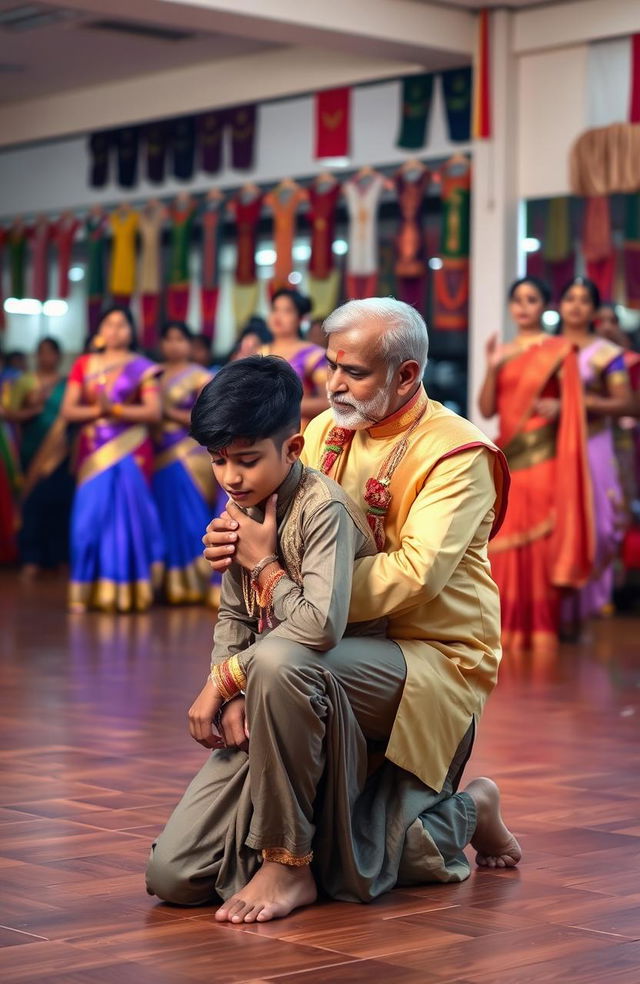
(545,546)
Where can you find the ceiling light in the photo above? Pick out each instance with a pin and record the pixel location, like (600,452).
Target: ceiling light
(55,308)
(22,305)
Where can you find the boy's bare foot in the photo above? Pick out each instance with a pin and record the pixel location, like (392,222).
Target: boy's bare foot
(274,891)
(495,844)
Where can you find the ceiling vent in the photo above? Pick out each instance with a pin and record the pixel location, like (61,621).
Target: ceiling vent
(133,29)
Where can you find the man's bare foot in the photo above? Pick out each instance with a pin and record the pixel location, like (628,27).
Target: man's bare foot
(274,891)
(495,844)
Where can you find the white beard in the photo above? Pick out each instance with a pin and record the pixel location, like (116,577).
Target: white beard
(360,414)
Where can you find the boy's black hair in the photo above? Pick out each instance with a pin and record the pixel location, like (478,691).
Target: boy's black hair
(251,399)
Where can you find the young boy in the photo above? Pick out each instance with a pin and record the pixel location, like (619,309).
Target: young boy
(248,819)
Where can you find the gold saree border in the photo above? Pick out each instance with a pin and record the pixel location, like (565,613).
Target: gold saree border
(111,453)
(111,596)
(195,460)
(531,448)
(187,585)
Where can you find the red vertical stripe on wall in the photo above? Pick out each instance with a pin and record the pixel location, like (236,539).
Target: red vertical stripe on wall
(634,100)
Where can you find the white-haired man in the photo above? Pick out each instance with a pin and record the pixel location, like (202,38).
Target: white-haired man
(377,736)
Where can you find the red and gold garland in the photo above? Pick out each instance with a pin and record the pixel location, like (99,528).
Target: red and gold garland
(376,491)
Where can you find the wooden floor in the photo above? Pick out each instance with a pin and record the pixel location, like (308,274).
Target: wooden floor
(95,753)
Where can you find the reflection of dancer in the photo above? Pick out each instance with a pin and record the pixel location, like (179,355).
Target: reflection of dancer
(183,486)
(115,531)
(545,543)
(607,396)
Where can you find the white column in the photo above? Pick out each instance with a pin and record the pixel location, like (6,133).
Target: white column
(494,210)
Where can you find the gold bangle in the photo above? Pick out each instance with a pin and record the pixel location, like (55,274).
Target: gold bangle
(236,671)
(225,687)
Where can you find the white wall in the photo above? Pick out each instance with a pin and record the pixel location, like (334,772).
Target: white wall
(552,113)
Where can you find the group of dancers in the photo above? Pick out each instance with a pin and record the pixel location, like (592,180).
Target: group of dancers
(99,470)
(568,406)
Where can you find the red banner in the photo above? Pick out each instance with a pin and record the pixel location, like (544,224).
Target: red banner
(481,128)
(333,122)
(634,101)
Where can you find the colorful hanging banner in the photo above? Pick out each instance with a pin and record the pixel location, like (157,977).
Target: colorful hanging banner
(597,245)
(100,145)
(95,234)
(127,146)
(333,119)
(417,97)
(451,280)
(182,141)
(457,86)
(156,151)
(243,123)
(482,80)
(632,250)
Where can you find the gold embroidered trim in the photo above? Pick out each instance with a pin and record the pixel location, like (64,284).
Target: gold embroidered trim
(280,856)
(312,492)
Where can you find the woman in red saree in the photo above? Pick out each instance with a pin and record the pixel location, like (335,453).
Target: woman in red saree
(545,545)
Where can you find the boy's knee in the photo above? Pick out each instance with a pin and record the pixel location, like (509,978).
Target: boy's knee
(169,880)
(278,662)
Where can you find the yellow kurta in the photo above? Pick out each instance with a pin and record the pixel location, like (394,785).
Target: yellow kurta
(434,580)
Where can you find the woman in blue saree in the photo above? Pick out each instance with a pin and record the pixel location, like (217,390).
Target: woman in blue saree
(116,540)
(183,485)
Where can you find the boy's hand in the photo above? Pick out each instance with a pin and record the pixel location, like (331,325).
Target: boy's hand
(233,724)
(255,540)
(202,714)
(219,541)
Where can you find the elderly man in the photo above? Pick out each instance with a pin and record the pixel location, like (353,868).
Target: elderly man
(376,737)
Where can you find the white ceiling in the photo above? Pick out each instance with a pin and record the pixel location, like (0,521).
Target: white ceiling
(70,54)
(478,4)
